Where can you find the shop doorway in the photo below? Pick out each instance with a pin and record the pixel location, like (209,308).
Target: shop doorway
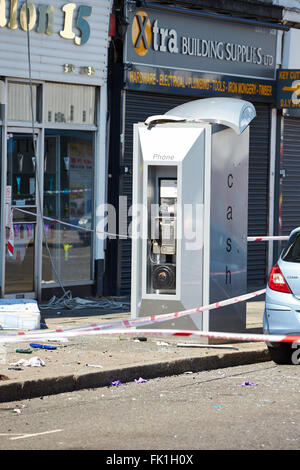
(21,203)
(68,197)
(44,253)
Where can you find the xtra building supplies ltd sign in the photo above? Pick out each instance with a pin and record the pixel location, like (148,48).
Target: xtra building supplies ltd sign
(181,41)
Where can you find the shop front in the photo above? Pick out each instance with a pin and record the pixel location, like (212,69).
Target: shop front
(172,56)
(288,104)
(53,154)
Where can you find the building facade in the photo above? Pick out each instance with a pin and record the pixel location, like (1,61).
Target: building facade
(167,55)
(288,104)
(53,64)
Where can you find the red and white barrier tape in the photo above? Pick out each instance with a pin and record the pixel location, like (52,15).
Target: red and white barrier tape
(158,332)
(202,334)
(67,224)
(143,321)
(267,238)
(127,328)
(78,227)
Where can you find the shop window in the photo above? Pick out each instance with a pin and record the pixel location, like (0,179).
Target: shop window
(19,102)
(68,196)
(71,104)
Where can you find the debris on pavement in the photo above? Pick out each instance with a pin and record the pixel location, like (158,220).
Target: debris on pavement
(3,377)
(33,362)
(245,384)
(140,380)
(24,351)
(116,383)
(42,346)
(59,340)
(16,410)
(199,345)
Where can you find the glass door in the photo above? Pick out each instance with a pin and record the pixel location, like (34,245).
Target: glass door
(21,222)
(68,197)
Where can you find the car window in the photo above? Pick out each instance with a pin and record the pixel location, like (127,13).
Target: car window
(292,251)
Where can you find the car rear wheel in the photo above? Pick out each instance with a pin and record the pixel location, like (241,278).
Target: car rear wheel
(283,353)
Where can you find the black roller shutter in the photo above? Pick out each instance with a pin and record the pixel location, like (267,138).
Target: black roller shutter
(290,211)
(138,107)
(258,195)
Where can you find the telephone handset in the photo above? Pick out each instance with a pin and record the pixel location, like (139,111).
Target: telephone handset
(166,221)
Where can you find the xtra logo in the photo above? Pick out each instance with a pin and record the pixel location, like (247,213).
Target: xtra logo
(141,33)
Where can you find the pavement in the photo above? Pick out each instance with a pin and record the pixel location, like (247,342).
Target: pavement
(84,362)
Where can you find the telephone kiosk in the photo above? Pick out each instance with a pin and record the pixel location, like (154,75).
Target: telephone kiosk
(189,244)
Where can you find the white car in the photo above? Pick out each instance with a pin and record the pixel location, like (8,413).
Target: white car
(282,307)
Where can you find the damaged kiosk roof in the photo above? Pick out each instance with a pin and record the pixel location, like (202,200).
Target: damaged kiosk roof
(230,112)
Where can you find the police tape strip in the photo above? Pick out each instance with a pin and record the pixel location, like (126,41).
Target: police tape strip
(78,227)
(143,321)
(67,224)
(128,329)
(237,337)
(261,338)
(127,325)
(267,238)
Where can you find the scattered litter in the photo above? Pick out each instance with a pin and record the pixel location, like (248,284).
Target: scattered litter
(162,343)
(245,384)
(198,345)
(217,407)
(140,380)
(24,351)
(67,302)
(3,377)
(16,410)
(116,383)
(42,346)
(94,365)
(188,372)
(33,362)
(139,338)
(61,340)
(36,362)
